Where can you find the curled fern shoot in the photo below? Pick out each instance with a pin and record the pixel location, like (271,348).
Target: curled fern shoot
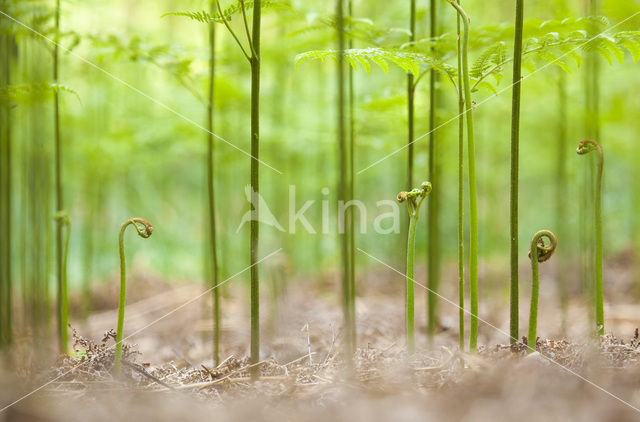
(62,218)
(540,251)
(144,230)
(473,198)
(414,200)
(584,147)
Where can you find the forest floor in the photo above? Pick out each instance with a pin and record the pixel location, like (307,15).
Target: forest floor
(170,374)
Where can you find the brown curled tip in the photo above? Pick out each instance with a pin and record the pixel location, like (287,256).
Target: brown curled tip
(148,227)
(402,196)
(586,146)
(545,249)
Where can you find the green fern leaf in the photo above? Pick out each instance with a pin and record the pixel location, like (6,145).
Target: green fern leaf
(631,41)
(230,11)
(488,59)
(202,17)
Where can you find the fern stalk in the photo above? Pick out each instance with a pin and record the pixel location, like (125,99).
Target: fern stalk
(414,200)
(58,185)
(254,41)
(473,200)
(343,186)
(6,304)
(433,238)
(584,147)
(561,193)
(144,230)
(63,293)
(539,251)
(411,99)
(213,244)
(350,223)
(515,157)
(460,190)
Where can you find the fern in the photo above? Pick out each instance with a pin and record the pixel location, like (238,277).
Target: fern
(363,29)
(199,16)
(491,58)
(171,60)
(25,94)
(406,60)
(554,48)
(230,11)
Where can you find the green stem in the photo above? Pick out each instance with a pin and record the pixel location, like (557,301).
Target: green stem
(255,188)
(343,188)
(460,192)
(62,219)
(350,225)
(411,241)
(414,200)
(58,187)
(5,190)
(433,239)
(515,158)
(539,252)
(584,147)
(233,34)
(213,245)
(144,230)
(561,193)
(411,99)
(473,200)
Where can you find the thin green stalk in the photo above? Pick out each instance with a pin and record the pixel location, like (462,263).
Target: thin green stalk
(411,89)
(592,126)
(414,200)
(213,244)
(473,200)
(58,185)
(540,251)
(515,158)
(255,186)
(350,225)
(343,186)
(6,187)
(62,218)
(584,147)
(144,230)
(460,191)
(561,193)
(433,237)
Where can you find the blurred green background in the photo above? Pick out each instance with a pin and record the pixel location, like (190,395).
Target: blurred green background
(126,155)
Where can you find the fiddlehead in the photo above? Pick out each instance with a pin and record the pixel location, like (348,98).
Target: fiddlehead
(584,147)
(543,245)
(414,199)
(144,230)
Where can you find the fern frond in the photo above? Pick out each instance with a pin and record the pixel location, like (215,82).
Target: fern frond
(631,41)
(489,59)
(405,60)
(199,16)
(31,93)
(363,29)
(230,11)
